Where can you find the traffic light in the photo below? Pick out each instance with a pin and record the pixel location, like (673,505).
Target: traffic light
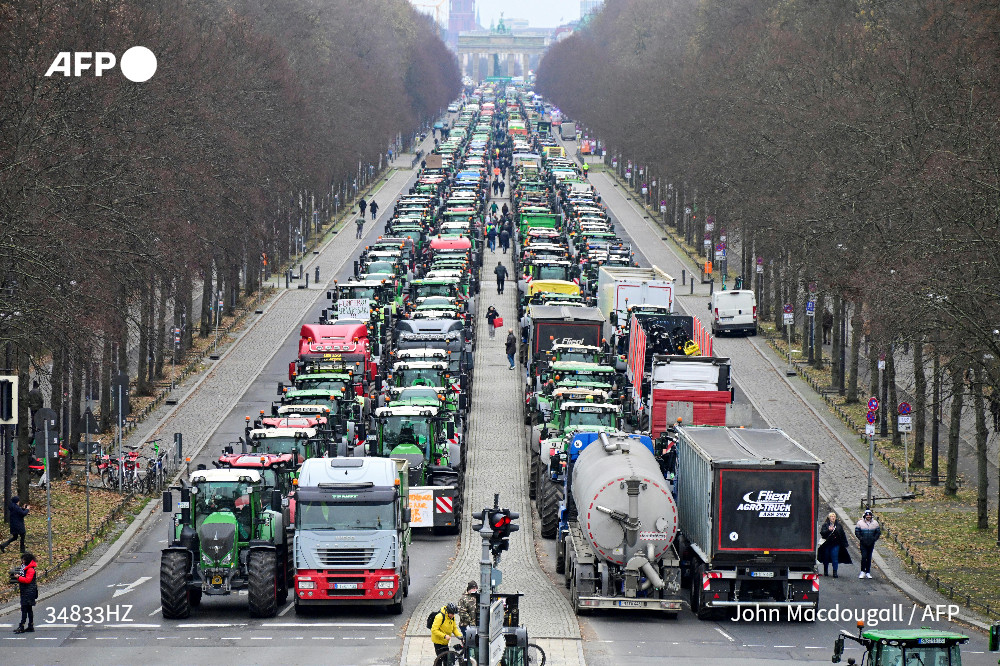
(502,524)
(479,515)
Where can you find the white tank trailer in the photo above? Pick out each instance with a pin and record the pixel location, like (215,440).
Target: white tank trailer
(616,542)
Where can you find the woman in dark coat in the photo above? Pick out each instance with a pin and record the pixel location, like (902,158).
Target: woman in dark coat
(17,516)
(834,549)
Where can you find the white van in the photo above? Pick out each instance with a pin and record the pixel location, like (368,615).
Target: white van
(734,310)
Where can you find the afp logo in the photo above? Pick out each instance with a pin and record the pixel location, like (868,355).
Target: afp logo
(138,64)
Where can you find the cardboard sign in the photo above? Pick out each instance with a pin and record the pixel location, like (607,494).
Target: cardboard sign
(433,161)
(354,308)
(421,508)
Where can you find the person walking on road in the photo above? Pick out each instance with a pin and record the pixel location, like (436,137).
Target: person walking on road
(491,238)
(827,326)
(868,532)
(511,347)
(493,208)
(504,240)
(373,207)
(17,516)
(834,549)
(501,273)
(361,224)
(29,593)
(496,187)
(502,187)
(468,607)
(444,628)
(491,316)
(362,205)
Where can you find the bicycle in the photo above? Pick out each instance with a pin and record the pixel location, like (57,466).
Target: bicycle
(456,656)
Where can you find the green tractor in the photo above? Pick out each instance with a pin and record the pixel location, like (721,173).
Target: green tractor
(228,535)
(889,647)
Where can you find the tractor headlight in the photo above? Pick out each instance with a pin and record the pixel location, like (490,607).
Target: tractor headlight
(228,559)
(206,559)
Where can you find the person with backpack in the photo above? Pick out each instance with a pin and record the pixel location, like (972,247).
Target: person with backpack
(443,626)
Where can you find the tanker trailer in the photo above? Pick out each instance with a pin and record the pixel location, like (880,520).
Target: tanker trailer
(618,523)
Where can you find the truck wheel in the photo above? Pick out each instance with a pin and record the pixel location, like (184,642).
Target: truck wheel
(175,599)
(396,607)
(532,476)
(550,494)
(263,584)
(574,597)
(695,579)
(561,555)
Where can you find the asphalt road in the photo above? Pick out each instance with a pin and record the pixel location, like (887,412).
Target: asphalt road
(115,615)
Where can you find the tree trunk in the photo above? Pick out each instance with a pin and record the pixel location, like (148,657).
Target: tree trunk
(957,372)
(873,385)
(76,398)
(852,373)
(106,373)
(186,298)
(982,480)
(776,287)
(919,403)
(57,386)
(891,409)
(818,329)
(206,301)
(141,384)
(161,325)
(835,340)
(24,448)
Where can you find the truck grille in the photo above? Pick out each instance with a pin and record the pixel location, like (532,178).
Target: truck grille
(344,557)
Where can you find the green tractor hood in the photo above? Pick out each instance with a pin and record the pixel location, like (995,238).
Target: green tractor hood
(218,536)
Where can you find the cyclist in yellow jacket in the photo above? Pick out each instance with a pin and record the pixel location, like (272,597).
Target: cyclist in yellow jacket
(444,628)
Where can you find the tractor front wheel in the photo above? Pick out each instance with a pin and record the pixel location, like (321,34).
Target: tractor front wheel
(263,583)
(175,599)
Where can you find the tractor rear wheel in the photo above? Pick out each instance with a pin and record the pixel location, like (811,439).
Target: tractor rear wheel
(549,495)
(174,596)
(263,583)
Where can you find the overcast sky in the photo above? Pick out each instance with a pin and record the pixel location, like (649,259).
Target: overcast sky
(540,13)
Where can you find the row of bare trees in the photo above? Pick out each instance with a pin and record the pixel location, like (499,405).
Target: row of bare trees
(851,145)
(119,199)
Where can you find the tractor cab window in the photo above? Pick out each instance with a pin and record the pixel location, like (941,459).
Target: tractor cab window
(590,418)
(277,445)
(398,430)
(549,272)
(418,377)
(228,497)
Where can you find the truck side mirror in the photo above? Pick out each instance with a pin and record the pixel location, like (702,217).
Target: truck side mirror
(405,515)
(276,500)
(168,501)
(463,402)
(228,450)
(378,383)
(450,427)
(329,295)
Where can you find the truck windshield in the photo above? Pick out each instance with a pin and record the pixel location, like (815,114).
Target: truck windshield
(398,430)
(601,418)
(335,515)
(924,655)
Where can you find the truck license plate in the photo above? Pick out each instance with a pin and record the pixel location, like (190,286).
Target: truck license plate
(762,574)
(630,603)
(345,586)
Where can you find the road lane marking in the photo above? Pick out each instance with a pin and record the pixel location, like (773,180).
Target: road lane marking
(324,638)
(286,609)
(46,638)
(231,638)
(728,637)
(56,626)
(260,638)
(816,647)
(125,588)
(212,625)
(158,609)
(785,646)
(354,638)
(107,638)
(127,625)
(14,638)
(78,638)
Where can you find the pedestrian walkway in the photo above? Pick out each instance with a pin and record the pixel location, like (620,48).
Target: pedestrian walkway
(497,462)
